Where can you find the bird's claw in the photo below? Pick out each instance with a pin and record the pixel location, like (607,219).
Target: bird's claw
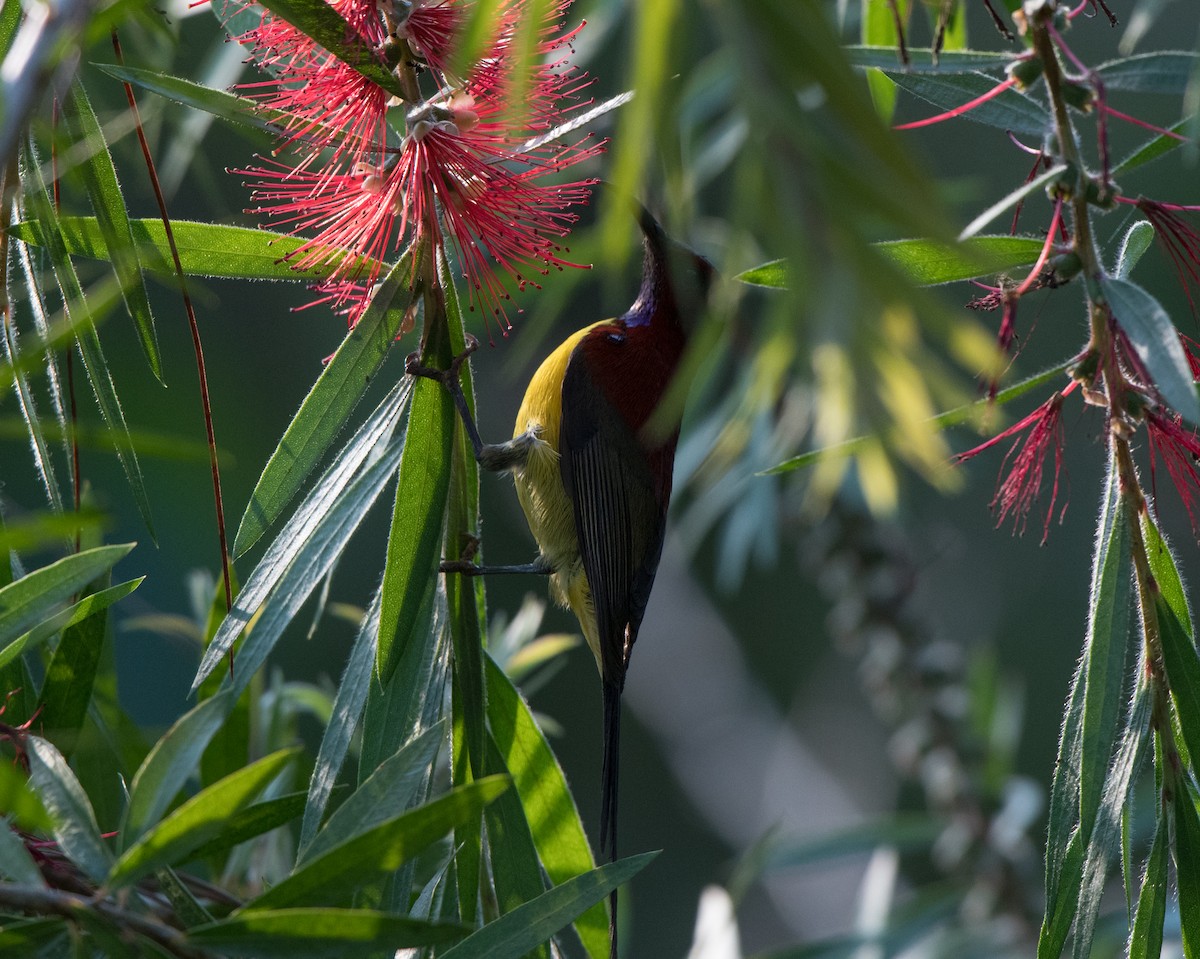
(464,562)
(414,367)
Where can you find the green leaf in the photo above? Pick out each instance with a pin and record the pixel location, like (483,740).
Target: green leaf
(32,937)
(169,764)
(318,20)
(318,933)
(94,363)
(334,875)
(879,31)
(252,822)
(930,263)
(1134,244)
(1183,673)
(383,795)
(1009,110)
(517,932)
(549,807)
(31,424)
(218,103)
(339,731)
(1187,853)
(1145,939)
(104,190)
(415,538)
(1104,652)
(75,826)
(1154,148)
(328,405)
(197,821)
(16,864)
(921,59)
(32,598)
(1156,341)
(303,553)
(908,831)
(205,249)
(1166,574)
(1011,200)
(10,19)
(19,802)
(1163,71)
(77,613)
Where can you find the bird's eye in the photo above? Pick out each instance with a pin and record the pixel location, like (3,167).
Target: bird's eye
(615,337)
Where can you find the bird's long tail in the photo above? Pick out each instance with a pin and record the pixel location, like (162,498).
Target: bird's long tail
(608,802)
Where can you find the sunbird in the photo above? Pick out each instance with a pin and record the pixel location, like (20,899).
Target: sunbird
(593,466)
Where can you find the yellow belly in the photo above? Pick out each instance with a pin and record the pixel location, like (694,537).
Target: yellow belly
(542,495)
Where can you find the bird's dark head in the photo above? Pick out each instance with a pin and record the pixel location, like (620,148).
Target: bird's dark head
(675,279)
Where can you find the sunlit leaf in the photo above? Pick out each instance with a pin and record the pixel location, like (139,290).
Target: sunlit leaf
(1145,939)
(1136,241)
(1187,851)
(75,826)
(921,60)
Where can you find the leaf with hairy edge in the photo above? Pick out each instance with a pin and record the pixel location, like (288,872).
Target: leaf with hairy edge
(921,60)
(320,933)
(104,191)
(1166,574)
(383,795)
(348,707)
(1154,148)
(1164,71)
(515,934)
(929,263)
(94,363)
(1104,652)
(1134,244)
(197,821)
(1187,852)
(32,599)
(1183,673)
(169,764)
(1156,340)
(1009,201)
(320,21)
(218,103)
(328,405)
(31,423)
(1008,110)
(1145,939)
(549,806)
(15,862)
(75,826)
(334,875)
(1105,838)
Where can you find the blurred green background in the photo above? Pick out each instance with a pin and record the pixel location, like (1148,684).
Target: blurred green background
(758,695)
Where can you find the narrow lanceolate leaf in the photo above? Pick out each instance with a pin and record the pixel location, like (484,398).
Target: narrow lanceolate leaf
(1166,574)
(554,822)
(205,249)
(32,426)
(1011,200)
(198,820)
(921,60)
(34,597)
(929,263)
(1156,147)
(252,822)
(1134,244)
(77,613)
(516,933)
(70,675)
(104,191)
(1008,110)
(1145,939)
(1164,71)
(879,30)
(385,794)
(33,937)
(339,731)
(94,363)
(333,876)
(1104,652)
(169,764)
(1156,340)
(1187,853)
(218,103)
(319,20)
(1183,673)
(320,933)
(75,826)
(329,403)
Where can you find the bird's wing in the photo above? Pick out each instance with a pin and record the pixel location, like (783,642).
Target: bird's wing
(619,517)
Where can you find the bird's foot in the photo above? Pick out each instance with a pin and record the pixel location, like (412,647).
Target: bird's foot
(414,367)
(465,563)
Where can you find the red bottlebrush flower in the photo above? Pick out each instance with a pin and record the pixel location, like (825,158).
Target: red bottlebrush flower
(467,170)
(1191,349)
(1024,464)
(1179,450)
